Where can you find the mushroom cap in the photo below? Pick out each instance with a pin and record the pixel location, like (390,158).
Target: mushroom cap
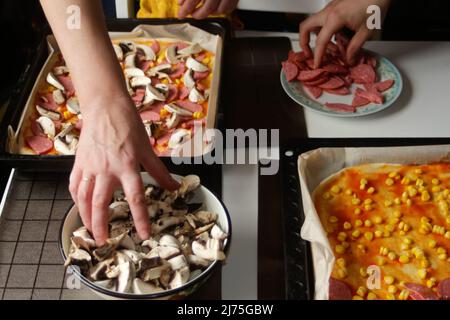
(195,65)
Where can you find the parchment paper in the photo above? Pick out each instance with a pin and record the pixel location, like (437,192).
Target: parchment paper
(171,32)
(317,165)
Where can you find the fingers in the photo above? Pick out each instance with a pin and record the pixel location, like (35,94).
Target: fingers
(154,166)
(226,6)
(134,191)
(323,38)
(84,199)
(306,27)
(187,7)
(208,7)
(356,43)
(103,190)
(74,182)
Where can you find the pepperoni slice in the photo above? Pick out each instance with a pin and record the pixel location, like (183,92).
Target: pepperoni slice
(290,70)
(372,95)
(420,292)
(37,129)
(184,93)
(359,101)
(155,46)
(381,86)
(333,83)
(315,83)
(40,145)
(335,68)
(178,70)
(314,92)
(67,83)
(444,289)
(310,75)
(201,75)
(340,107)
(155,81)
(173,93)
(188,105)
(47,102)
(363,73)
(342,91)
(149,115)
(339,290)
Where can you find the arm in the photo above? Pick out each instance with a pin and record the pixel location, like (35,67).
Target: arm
(337,15)
(209,7)
(113,143)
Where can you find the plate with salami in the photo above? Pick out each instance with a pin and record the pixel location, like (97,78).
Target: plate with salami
(336,89)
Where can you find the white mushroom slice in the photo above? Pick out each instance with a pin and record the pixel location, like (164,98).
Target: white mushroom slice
(113,272)
(128,243)
(152,209)
(157,69)
(118,210)
(140,81)
(154,273)
(130,61)
(172,121)
(204,229)
(193,64)
(60,70)
(178,262)
(51,79)
(195,96)
(173,108)
(133,255)
(151,243)
(47,125)
(163,252)
(73,105)
(66,129)
(133,72)
(192,49)
(162,87)
(153,93)
(202,237)
(188,79)
(149,53)
(101,270)
(206,253)
(64,148)
(126,276)
(179,137)
(188,184)
(169,241)
(58,97)
(48,113)
(84,234)
(171,55)
(217,233)
(180,278)
(206,217)
(119,52)
(214,244)
(141,287)
(197,261)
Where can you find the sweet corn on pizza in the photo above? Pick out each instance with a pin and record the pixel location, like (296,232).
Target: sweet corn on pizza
(169,82)
(394,217)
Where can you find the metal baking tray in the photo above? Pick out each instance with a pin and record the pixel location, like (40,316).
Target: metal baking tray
(299,273)
(24,86)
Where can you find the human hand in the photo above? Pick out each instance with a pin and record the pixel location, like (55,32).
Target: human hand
(335,16)
(190,7)
(113,144)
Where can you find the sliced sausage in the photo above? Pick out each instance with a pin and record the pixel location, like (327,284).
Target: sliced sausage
(372,95)
(333,83)
(310,75)
(40,145)
(340,107)
(47,102)
(173,93)
(314,92)
(335,68)
(420,292)
(315,83)
(290,70)
(359,101)
(150,115)
(201,75)
(178,70)
(363,73)
(188,105)
(37,129)
(444,289)
(66,81)
(342,91)
(155,46)
(383,85)
(339,290)
(184,93)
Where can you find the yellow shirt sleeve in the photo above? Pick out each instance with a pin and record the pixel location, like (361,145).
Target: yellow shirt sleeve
(159,9)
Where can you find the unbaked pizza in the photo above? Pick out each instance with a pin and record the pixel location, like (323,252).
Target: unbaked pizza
(169,82)
(391,217)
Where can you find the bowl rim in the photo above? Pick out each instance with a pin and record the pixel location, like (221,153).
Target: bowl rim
(166,293)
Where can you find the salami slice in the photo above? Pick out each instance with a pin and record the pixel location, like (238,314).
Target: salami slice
(149,115)
(335,68)
(155,46)
(342,91)
(138,96)
(66,81)
(37,129)
(310,63)
(40,145)
(188,105)
(47,102)
(340,107)
(200,57)
(310,75)
(444,289)
(314,92)
(317,82)
(333,83)
(178,70)
(339,290)
(173,93)
(290,70)
(359,102)
(420,292)
(201,75)
(381,86)
(184,93)
(157,107)
(363,73)
(372,95)
(144,65)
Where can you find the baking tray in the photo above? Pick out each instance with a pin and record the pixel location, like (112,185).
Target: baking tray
(25,83)
(299,274)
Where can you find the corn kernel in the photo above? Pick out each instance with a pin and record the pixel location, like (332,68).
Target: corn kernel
(419,183)
(425,219)
(442,256)
(436,189)
(389,182)
(409,202)
(341,262)
(383,251)
(424,263)
(367,223)
(389,227)
(407,240)
(363,272)
(377,219)
(392,255)
(390,296)
(348,192)
(357,211)
(447,235)
(347,225)
(441,250)
(368,207)
(405,181)
(371,190)
(393,174)
(403,259)
(389,280)
(371,296)
(339,248)
(362,291)
(403,295)
(345,244)
(368,235)
(418,171)
(425,196)
(361,247)
(358,223)
(413,177)
(412,192)
(397,214)
(342,273)
(342,236)
(431,282)
(422,273)
(394,221)
(381,261)
(378,233)
(357,298)
(404,246)
(392,289)
(397,201)
(363,181)
(333,219)
(405,196)
(440,197)
(356,234)
(435,182)
(388,203)
(325,196)
(356,201)
(199,115)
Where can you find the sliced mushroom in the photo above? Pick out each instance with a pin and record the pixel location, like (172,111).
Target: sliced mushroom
(192,49)
(178,262)
(133,72)
(206,217)
(127,274)
(207,253)
(60,70)
(133,255)
(48,113)
(108,248)
(188,79)
(173,108)
(152,93)
(130,61)
(127,47)
(64,147)
(99,271)
(217,233)
(119,227)
(163,252)
(154,273)
(141,287)
(158,69)
(47,125)
(204,228)
(188,184)
(179,137)
(80,258)
(58,97)
(195,96)
(197,261)
(180,277)
(169,241)
(140,81)
(151,243)
(148,52)
(172,121)
(118,210)
(73,105)
(51,79)
(119,52)
(171,54)
(84,234)
(196,66)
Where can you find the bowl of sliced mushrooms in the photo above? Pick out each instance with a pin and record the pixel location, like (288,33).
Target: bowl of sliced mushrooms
(190,236)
